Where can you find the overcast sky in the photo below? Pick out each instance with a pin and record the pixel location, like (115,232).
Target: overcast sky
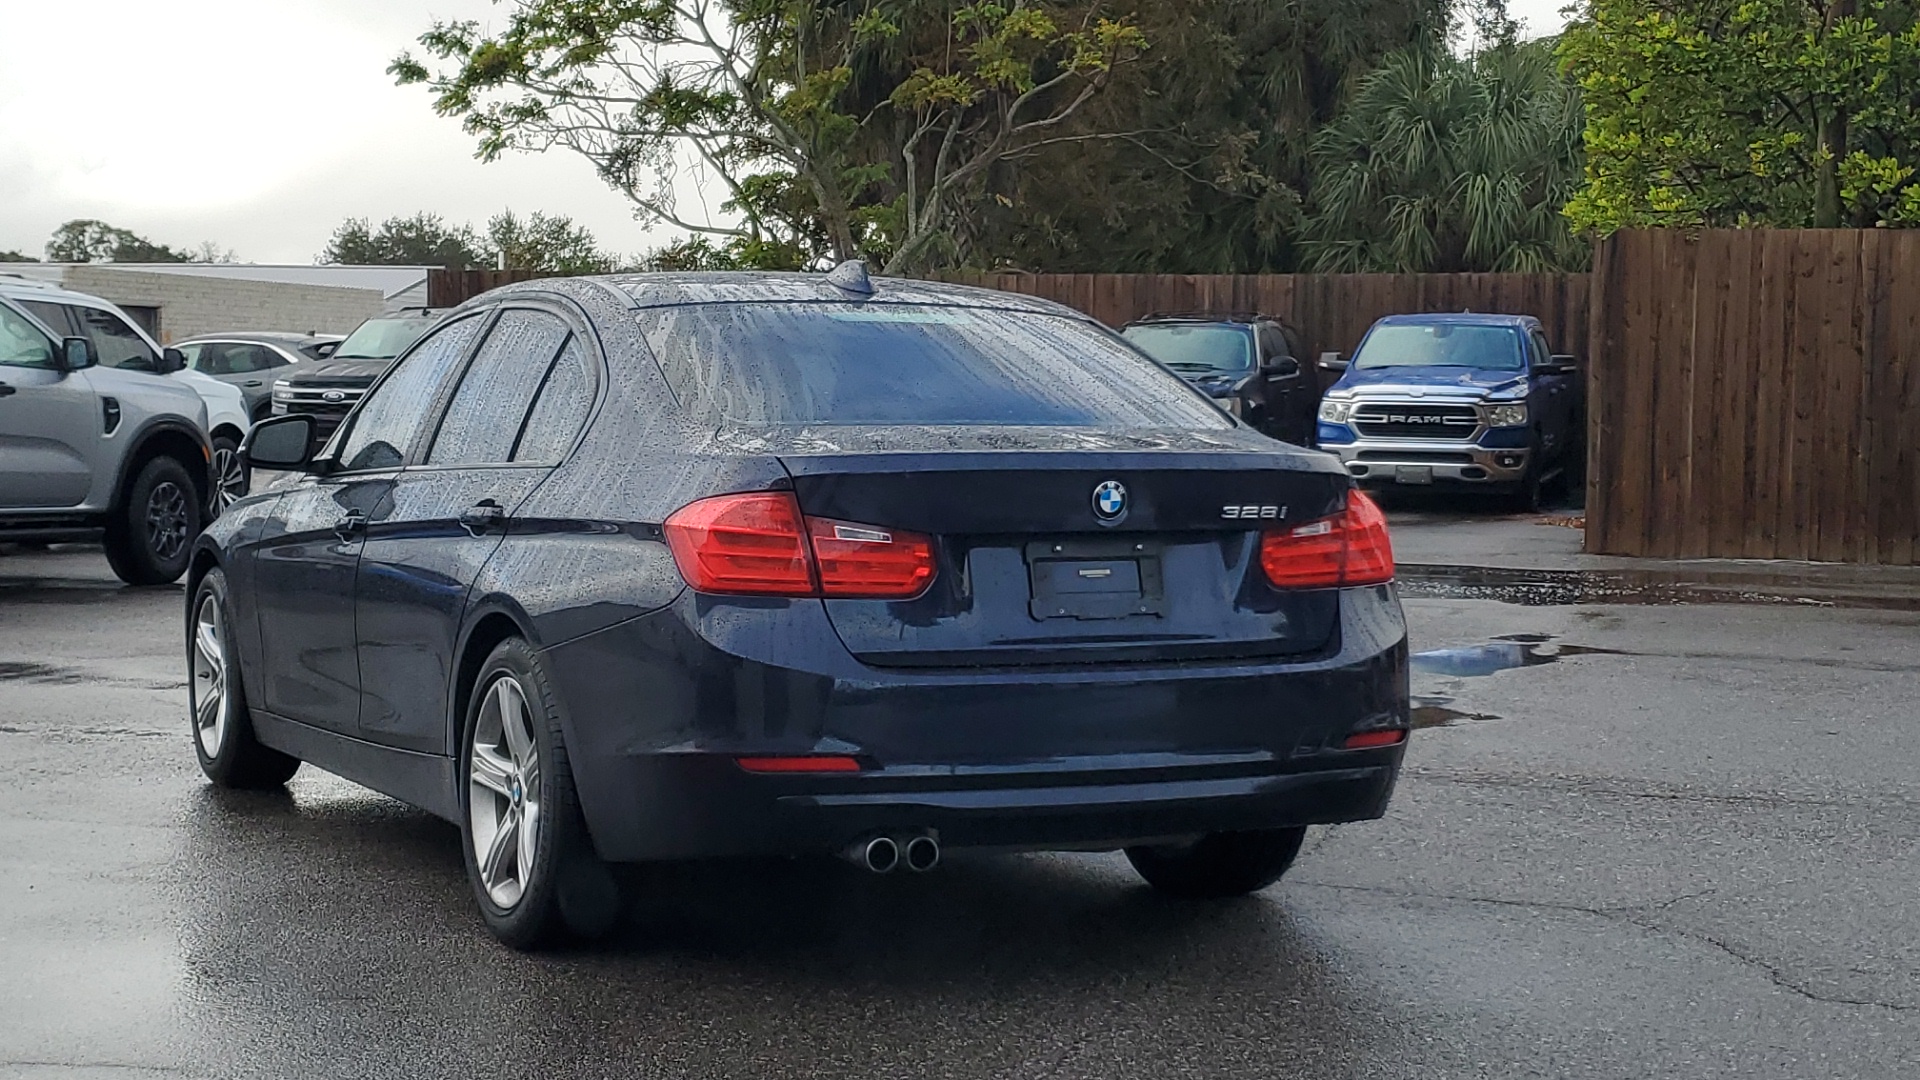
(261,124)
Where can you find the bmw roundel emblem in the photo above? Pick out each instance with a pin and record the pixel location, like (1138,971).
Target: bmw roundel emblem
(1110,501)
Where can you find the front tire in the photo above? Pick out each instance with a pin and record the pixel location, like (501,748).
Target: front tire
(529,859)
(223,736)
(150,534)
(1219,864)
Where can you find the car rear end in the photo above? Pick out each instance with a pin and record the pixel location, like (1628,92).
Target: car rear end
(999,583)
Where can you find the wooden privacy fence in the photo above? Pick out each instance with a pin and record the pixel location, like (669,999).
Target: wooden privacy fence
(1756,394)
(1331,311)
(449,288)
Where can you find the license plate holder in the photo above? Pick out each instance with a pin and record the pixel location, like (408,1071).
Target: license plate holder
(1094,579)
(1413,474)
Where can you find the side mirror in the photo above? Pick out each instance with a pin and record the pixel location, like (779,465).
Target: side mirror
(171,360)
(1332,361)
(1283,367)
(283,442)
(1559,365)
(76,354)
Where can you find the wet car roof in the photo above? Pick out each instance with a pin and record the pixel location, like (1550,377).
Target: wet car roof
(1459,318)
(734,286)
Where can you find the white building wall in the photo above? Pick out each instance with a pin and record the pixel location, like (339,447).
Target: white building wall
(190,305)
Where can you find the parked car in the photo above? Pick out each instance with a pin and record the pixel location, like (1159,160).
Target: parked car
(120,343)
(1252,364)
(1478,402)
(328,390)
(697,565)
(97,453)
(251,361)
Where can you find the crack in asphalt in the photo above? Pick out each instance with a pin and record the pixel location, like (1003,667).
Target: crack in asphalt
(1627,914)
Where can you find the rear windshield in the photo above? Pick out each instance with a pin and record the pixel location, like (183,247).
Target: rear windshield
(846,364)
(1196,349)
(381,339)
(1441,345)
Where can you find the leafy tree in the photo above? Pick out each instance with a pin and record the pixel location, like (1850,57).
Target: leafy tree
(1202,164)
(210,252)
(552,245)
(1442,163)
(16,256)
(836,129)
(86,240)
(421,240)
(1747,112)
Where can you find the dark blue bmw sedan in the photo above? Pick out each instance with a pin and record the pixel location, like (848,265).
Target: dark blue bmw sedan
(685,566)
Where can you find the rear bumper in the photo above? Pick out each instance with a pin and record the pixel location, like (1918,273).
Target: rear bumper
(656,713)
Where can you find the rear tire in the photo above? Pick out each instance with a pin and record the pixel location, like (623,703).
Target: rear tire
(223,737)
(529,859)
(1219,864)
(150,534)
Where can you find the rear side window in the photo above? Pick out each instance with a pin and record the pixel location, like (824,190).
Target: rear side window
(484,419)
(560,409)
(847,364)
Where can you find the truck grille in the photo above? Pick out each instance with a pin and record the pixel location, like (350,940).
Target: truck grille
(1415,420)
(337,399)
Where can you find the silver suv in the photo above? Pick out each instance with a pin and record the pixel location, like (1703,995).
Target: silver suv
(95,452)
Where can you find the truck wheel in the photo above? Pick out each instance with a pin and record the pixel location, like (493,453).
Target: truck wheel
(1219,864)
(223,736)
(150,533)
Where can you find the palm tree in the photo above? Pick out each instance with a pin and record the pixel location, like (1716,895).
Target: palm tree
(1440,163)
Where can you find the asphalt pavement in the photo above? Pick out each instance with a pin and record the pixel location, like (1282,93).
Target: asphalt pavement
(1664,841)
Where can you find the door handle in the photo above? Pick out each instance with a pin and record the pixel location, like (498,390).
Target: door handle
(354,524)
(253,382)
(483,515)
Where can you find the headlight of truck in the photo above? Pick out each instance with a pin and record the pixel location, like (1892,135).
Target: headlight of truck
(1235,406)
(1507,415)
(282,392)
(1335,412)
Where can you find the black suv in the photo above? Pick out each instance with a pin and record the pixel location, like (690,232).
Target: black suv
(1250,364)
(328,390)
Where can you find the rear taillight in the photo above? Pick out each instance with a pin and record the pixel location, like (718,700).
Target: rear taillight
(1349,548)
(760,544)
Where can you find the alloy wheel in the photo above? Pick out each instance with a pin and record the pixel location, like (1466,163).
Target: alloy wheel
(229,478)
(503,792)
(208,691)
(166,520)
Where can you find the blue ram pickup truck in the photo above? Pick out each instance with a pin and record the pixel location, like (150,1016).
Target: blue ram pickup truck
(1466,401)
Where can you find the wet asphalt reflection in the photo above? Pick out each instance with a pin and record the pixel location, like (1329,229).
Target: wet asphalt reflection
(1685,847)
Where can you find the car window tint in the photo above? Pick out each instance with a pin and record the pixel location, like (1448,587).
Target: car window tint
(849,364)
(386,423)
(21,343)
(197,357)
(54,315)
(1542,353)
(1273,343)
(118,343)
(561,408)
(483,420)
(243,359)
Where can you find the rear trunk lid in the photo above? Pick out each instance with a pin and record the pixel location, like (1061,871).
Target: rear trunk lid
(1070,545)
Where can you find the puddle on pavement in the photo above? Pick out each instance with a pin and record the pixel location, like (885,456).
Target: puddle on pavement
(1530,650)
(1556,588)
(1503,653)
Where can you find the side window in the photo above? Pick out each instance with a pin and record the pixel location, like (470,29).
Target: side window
(561,407)
(1272,342)
(119,345)
(197,357)
(389,419)
(1541,352)
(483,421)
(21,343)
(244,359)
(54,315)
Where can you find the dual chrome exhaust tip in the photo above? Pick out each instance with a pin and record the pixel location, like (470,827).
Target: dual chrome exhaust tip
(883,854)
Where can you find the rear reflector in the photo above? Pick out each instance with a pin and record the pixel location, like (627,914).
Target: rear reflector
(1349,548)
(760,544)
(811,763)
(1370,740)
